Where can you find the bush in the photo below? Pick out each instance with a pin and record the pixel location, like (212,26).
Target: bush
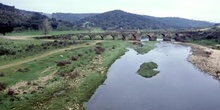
(99,43)
(80,55)
(73,58)
(113,47)
(4,51)
(99,50)
(70,75)
(2,74)
(11,92)
(2,86)
(63,63)
(23,70)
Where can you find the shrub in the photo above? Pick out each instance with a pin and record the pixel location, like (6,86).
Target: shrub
(99,50)
(2,74)
(80,55)
(70,75)
(4,51)
(23,70)
(63,63)
(113,47)
(11,92)
(99,43)
(2,86)
(73,58)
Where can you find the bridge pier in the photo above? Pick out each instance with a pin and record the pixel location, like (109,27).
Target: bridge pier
(166,39)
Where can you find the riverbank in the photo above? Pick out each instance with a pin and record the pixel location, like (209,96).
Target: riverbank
(206,59)
(68,86)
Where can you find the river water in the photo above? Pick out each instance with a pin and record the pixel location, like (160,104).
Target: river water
(178,86)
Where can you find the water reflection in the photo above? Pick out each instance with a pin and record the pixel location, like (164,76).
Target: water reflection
(178,86)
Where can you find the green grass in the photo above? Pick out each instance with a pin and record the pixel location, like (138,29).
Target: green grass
(215,44)
(54,32)
(72,93)
(20,47)
(145,48)
(147,70)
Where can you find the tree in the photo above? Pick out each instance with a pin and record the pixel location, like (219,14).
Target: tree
(46,27)
(6,28)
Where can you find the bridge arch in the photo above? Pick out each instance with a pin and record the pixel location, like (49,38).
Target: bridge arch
(145,37)
(98,37)
(123,36)
(132,36)
(163,35)
(86,37)
(75,37)
(110,37)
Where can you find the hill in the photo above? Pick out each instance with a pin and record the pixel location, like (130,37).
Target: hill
(71,17)
(25,19)
(18,20)
(184,23)
(119,19)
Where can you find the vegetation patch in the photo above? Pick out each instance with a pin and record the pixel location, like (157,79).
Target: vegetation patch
(99,50)
(147,70)
(213,43)
(63,63)
(23,70)
(2,86)
(143,47)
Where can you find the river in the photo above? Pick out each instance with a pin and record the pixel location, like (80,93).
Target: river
(178,86)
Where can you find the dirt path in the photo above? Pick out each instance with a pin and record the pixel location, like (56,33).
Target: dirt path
(43,55)
(17,37)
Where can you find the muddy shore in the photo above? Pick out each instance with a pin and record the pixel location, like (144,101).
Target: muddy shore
(206,59)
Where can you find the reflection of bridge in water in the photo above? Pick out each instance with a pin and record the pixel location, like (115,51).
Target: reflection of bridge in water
(152,36)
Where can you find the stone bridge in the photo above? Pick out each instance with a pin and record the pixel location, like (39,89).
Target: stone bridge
(152,36)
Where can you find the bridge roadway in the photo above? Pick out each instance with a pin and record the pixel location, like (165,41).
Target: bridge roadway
(166,36)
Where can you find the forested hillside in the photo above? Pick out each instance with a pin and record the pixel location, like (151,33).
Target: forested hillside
(183,23)
(119,19)
(19,20)
(71,17)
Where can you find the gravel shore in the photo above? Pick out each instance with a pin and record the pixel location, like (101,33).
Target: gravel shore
(206,59)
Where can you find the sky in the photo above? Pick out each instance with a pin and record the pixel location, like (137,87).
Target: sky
(207,10)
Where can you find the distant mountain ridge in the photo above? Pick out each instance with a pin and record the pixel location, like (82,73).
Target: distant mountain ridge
(71,17)
(20,20)
(120,19)
(184,23)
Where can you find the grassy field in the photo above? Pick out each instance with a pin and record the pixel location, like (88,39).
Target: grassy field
(64,79)
(54,32)
(17,50)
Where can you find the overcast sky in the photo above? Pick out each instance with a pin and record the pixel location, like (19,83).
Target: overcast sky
(208,10)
